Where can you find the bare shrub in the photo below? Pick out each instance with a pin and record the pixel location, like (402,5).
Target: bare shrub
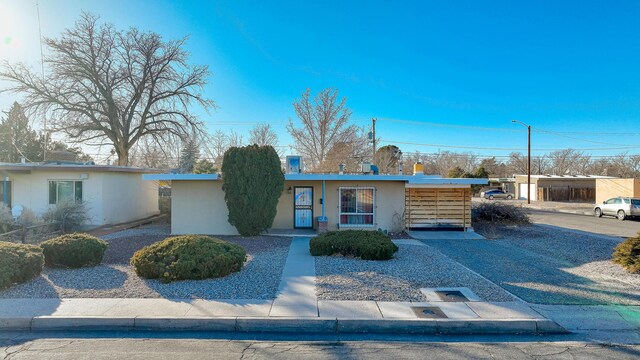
(500,213)
(6,219)
(67,216)
(28,218)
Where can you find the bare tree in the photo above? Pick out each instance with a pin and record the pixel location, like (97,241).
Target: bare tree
(563,161)
(325,123)
(410,159)
(235,139)
(215,146)
(388,159)
(113,86)
(443,162)
(262,134)
(148,153)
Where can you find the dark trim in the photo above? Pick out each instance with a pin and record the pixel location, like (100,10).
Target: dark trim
(294,207)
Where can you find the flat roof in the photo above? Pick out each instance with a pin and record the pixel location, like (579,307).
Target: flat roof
(26,167)
(569,177)
(411,179)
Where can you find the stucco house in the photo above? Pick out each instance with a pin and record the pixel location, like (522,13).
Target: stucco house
(113,194)
(568,188)
(344,201)
(609,188)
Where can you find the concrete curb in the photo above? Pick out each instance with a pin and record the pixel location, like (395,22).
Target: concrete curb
(284,325)
(563,211)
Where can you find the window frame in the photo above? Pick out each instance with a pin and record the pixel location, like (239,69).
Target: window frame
(372,213)
(9,193)
(74,186)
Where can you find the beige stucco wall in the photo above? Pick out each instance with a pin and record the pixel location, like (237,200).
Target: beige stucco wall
(608,188)
(127,197)
(109,199)
(198,207)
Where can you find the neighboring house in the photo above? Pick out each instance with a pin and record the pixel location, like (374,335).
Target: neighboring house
(113,194)
(563,188)
(610,188)
(506,184)
(387,202)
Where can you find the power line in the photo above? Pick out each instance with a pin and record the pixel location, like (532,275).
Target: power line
(483,128)
(501,149)
(449,125)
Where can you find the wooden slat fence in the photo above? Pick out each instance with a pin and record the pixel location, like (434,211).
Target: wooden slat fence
(437,207)
(567,193)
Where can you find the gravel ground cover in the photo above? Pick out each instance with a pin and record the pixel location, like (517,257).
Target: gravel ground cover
(398,279)
(115,278)
(547,266)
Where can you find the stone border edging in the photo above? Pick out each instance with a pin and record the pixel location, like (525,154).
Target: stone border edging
(285,325)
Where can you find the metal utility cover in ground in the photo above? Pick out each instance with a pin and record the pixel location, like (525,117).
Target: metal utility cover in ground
(429,312)
(451,296)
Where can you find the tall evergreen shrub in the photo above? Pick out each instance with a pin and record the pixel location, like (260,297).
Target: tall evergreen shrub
(253,183)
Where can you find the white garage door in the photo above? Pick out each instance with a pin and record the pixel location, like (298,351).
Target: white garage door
(523,191)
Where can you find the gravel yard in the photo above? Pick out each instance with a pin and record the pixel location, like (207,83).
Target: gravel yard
(398,279)
(115,278)
(548,266)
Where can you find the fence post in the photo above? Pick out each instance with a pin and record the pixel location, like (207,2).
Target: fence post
(23,234)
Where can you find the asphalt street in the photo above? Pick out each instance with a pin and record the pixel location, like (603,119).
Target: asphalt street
(605,225)
(177,346)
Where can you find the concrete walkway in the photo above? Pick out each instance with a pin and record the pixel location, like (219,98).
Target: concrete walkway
(445,235)
(297,290)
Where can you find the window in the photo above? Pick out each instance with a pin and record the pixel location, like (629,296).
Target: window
(2,195)
(610,201)
(63,191)
(617,201)
(357,206)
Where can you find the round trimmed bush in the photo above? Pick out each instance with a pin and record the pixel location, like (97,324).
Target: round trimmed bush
(627,254)
(188,257)
(19,263)
(74,250)
(367,245)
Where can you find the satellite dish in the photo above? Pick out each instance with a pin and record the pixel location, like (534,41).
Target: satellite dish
(16,211)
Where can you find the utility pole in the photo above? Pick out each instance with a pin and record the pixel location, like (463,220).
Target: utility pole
(528,158)
(529,165)
(373,130)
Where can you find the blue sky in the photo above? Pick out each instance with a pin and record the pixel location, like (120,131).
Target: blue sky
(566,66)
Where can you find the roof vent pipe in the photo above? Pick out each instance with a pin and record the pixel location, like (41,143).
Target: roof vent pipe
(23,160)
(341,169)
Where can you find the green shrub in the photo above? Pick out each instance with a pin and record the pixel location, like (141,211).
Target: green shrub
(253,183)
(188,257)
(74,250)
(627,254)
(19,263)
(367,245)
(67,216)
(499,213)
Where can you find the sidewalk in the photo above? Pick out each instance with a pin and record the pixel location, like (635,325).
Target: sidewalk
(561,207)
(254,316)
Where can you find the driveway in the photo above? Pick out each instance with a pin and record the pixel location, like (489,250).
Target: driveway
(604,226)
(548,266)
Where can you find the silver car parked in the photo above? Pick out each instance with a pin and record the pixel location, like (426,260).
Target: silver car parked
(496,194)
(620,207)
